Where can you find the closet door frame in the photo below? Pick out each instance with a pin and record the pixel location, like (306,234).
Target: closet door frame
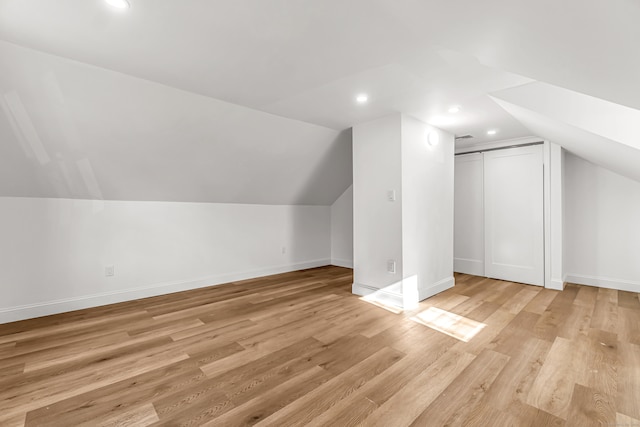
(553,210)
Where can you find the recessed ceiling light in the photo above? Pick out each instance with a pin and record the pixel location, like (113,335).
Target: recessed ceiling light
(492,132)
(118,4)
(362,98)
(454,109)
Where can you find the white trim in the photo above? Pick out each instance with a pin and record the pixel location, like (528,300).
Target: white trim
(436,288)
(474,267)
(604,282)
(495,144)
(342,262)
(555,284)
(554,216)
(397,299)
(382,295)
(546,182)
(12,314)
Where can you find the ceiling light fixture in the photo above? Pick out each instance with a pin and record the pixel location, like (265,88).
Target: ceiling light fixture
(362,98)
(492,132)
(119,4)
(454,109)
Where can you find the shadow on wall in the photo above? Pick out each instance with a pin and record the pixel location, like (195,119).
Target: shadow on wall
(581,213)
(593,212)
(332,175)
(311,226)
(308,238)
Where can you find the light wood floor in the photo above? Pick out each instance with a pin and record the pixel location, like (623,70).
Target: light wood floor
(299,349)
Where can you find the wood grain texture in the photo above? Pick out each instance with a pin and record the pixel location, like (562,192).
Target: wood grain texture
(298,349)
(628,401)
(625,421)
(591,408)
(469,386)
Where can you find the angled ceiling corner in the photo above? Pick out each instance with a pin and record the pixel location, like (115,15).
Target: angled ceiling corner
(600,131)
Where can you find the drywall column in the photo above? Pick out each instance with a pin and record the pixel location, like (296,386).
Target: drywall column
(377,221)
(427,209)
(403,210)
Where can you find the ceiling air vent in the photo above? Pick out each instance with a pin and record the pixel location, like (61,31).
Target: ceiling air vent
(461,137)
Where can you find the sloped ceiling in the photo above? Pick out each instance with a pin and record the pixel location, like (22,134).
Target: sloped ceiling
(78,131)
(248,101)
(600,131)
(586,46)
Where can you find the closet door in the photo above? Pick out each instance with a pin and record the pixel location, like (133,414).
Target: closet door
(469,215)
(514,221)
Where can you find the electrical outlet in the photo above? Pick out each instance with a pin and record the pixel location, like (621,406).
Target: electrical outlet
(391,266)
(284,250)
(109,270)
(391,195)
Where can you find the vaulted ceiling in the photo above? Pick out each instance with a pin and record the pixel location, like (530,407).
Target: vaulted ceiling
(249,101)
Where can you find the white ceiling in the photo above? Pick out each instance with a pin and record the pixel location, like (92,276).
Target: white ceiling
(244,100)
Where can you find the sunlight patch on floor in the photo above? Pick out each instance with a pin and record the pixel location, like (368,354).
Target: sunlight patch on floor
(372,299)
(448,323)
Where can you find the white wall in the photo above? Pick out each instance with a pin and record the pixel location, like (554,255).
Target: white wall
(377,222)
(53,252)
(342,230)
(602,226)
(427,209)
(469,214)
(415,230)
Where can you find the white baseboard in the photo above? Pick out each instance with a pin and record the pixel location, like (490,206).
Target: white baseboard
(382,295)
(436,288)
(556,284)
(604,282)
(468,266)
(342,262)
(12,314)
(397,298)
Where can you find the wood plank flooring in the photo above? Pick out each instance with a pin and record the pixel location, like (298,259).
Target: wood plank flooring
(299,349)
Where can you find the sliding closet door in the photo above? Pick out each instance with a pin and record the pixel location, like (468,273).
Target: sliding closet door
(514,222)
(469,215)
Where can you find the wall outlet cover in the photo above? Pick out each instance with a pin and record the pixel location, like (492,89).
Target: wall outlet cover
(391,195)
(391,266)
